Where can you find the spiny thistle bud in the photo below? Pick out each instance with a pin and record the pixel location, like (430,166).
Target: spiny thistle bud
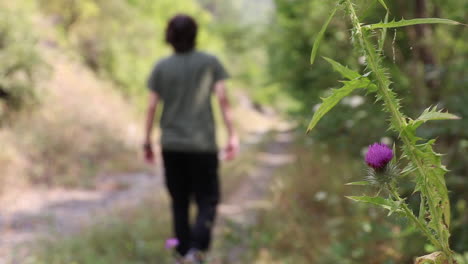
(378,156)
(382,171)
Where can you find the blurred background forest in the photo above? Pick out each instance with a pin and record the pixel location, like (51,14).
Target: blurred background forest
(72,94)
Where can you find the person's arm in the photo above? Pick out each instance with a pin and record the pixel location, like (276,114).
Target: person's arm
(147,145)
(233,140)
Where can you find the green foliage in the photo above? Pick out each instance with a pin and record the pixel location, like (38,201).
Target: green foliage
(431,113)
(289,43)
(411,22)
(338,94)
(382,2)
(291,34)
(122,39)
(21,65)
(356,81)
(343,70)
(130,236)
(319,36)
(388,204)
(423,161)
(295,29)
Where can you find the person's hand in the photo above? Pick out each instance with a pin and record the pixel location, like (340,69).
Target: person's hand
(232,148)
(148,153)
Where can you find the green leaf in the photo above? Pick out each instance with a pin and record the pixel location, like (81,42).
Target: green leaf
(410,168)
(319,36)
(383,35)
(429,114)
(359,183)
(410,22)
(382,2)
(379,201)
(430,182)
(343,70)
(433,114)
(337,94)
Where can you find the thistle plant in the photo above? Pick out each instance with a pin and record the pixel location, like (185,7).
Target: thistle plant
(422,163)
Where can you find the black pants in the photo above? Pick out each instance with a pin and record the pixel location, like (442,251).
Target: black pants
(191,175)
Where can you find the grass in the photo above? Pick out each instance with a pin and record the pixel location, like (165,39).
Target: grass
(131,236)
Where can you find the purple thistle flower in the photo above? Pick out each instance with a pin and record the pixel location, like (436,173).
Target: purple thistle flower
(172,243)
(378,156)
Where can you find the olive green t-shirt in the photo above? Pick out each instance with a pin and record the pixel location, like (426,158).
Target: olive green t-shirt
(185,82)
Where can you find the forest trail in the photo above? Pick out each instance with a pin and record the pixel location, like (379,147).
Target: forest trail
(51,212)
(29,213)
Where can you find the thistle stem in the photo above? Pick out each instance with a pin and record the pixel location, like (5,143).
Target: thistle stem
(399,123)
(413,218)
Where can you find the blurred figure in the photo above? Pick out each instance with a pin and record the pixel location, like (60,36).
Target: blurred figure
(185,82)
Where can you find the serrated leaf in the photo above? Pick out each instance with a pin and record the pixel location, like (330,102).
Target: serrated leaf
(359,183)
(411,22)
(351,74)
(343,70)
(430,182)
(337,94)
(379,201)
(320,35)
(431,113)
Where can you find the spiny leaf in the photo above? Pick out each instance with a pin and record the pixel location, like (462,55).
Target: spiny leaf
(431,113)
(360,183)
(379,201)
(337,94)
(343,70)
(410,22)
(408,169)
(320,35)
(431,184)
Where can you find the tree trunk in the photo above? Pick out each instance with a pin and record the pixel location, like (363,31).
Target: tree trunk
(425,54)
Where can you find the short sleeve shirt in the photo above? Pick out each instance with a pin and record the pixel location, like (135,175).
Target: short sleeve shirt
(185,82)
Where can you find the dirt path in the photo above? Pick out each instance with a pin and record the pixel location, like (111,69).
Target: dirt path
(42,212)
(29,215)
(239,211)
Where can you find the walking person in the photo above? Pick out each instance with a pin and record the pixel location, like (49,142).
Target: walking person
(185,82)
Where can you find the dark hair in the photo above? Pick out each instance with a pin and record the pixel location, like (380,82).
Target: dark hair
(181,33)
